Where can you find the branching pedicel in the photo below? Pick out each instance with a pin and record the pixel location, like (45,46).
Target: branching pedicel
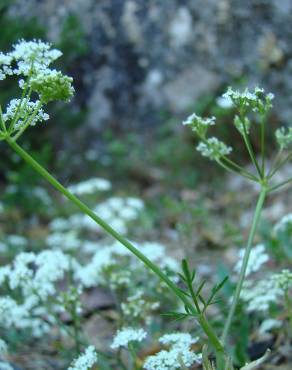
(40,84)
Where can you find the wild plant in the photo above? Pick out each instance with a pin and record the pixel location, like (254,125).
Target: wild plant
(31,63)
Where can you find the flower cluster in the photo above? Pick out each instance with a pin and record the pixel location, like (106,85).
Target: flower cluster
(284,224)
(52,85)
(284,137)
(33,276)
(178,355)
(90,186)
(25,111)
(116,211)
(260,294)
(257,101)
(198,124)
(257,258)
(127,335)
(86,360)
(283,280)
(30,60)
(213,148)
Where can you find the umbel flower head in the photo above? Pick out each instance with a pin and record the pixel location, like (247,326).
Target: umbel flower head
(284,137)
(30,61)
(256,101)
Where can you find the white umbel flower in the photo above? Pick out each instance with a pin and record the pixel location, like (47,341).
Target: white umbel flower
(213,148)
(127,335)
(178,355)
(284,223)
(257,258)
(90,186)
(86,360)
(3,347)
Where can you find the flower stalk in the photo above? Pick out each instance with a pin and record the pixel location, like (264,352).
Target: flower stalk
(209,331)
(248,249)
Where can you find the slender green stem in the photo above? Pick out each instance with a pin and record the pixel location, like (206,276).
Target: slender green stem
(28,122)
(263,126)
(236,296)
(231,166)
(275,162)
(240,169)
(2,120)
(279,165)
(149,264)
(18,109)
(286,182)
(132,355)
(250,150)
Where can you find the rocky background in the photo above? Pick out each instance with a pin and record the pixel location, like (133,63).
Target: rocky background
(139,60)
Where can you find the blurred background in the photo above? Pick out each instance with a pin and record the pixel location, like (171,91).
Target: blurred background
(140,68)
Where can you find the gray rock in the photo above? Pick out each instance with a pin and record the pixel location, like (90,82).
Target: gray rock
(146,57)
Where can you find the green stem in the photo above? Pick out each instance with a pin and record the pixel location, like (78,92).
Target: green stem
(250,151)
(236,296)
(286,182)
(240,169)
(132,355)
(279,165)
(275,162)
(149,264)
(263,126)
(2,121)
(18,109)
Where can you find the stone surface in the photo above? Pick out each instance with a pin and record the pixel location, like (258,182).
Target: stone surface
(148,57)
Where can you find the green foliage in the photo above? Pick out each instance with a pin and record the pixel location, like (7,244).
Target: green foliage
(73,40)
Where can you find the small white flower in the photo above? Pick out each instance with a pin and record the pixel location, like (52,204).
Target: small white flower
(213,148)
(256,101)
(28,111)
(284,137)
(179,354)
(224,102)
(283,280)
(127,335)
(257,258)
(86,360)
(90,186)
(260,295)
(182,340)
(268,325)
(3,347)
(284,224)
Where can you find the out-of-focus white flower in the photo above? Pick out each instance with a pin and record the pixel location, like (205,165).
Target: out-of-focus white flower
(126,335)
(90,186)
(86,360)
(3,347)
(283,280)
(268,325)
(284,137)
(182,340)
(257,258)
(224,102)
(284,224)
(260,295)
(64,240)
